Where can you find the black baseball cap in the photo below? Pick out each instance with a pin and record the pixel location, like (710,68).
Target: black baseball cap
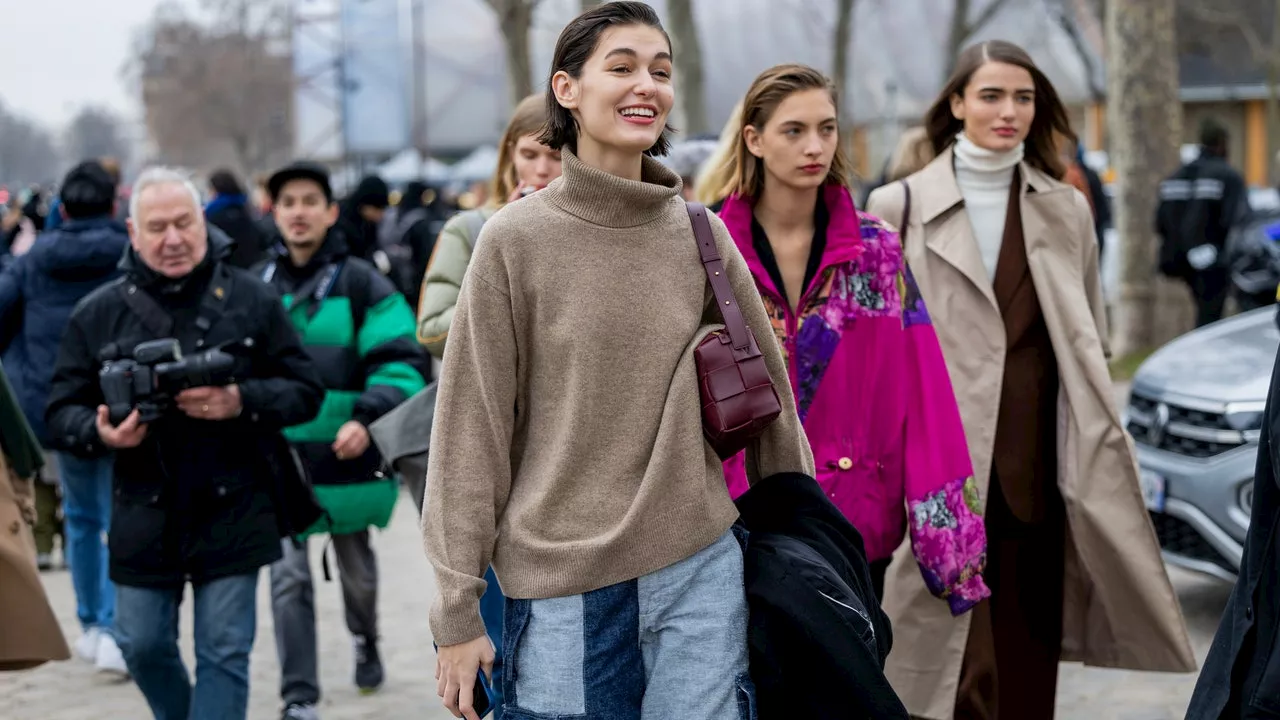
(301,170)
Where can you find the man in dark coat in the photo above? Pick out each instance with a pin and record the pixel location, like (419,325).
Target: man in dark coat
(38,291)
(228,209)
(1241,677)
(361,214)
(1199,204)
(204,483)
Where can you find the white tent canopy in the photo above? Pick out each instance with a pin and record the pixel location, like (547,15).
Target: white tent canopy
(477,166)
(408,166)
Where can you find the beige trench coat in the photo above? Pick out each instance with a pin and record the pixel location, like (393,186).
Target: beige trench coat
(29,632)
(1119,607)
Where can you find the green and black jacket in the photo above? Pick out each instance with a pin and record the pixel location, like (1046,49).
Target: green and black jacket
(360,332)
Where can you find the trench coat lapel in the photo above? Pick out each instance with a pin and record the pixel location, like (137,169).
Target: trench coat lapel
(949,234)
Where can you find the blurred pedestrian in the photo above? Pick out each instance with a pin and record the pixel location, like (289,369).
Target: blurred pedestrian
(205,483)
(29,631)
(38,293)
(228,209)
(361,213)
(1199,204)
(361,331)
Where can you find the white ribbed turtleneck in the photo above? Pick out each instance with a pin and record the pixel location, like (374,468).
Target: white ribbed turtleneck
(984,176)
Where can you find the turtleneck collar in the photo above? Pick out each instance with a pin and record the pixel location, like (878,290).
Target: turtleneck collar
(604,199)
(983,161)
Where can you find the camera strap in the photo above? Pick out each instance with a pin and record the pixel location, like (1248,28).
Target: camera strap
(327,278)
(160,323)
(157,322)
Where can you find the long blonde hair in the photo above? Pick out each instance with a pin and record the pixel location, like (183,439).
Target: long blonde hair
(528,119)
(766,93)
(717,169)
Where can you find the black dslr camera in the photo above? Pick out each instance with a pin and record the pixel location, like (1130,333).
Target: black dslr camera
(157,371)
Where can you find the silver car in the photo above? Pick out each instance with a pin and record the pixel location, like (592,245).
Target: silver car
(1195,413)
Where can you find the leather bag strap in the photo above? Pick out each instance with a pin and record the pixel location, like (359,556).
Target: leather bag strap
(711,262)
(906,215)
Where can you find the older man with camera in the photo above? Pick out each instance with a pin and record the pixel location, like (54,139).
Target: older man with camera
(188,369)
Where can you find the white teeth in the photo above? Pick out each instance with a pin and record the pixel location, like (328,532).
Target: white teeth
(638,112)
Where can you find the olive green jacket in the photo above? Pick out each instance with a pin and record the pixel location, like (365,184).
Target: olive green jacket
(444,275)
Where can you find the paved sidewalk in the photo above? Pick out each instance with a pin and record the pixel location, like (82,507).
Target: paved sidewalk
(71,691)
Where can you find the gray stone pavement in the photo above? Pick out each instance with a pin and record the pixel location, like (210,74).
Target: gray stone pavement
(70,691)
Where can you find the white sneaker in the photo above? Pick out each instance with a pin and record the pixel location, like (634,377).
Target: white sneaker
(110,660)
(87,645)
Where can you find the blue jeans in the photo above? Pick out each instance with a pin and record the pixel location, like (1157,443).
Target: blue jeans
(491,611)
(670,644)
(225,623)
(86,506)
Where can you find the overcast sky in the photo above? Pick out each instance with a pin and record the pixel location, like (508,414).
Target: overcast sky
(49,68)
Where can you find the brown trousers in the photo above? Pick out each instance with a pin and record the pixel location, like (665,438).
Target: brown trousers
(1010,669)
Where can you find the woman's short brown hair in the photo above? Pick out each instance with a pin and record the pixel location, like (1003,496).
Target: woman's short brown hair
(766,93)
(528,118)
(576,45)
(1041,149)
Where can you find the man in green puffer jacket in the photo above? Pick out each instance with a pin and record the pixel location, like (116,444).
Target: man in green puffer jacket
(360,331)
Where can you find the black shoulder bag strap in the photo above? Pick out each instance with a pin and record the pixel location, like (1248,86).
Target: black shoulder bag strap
(906,215)
(154,318)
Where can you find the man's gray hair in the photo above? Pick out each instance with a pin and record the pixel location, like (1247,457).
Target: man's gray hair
(162,175)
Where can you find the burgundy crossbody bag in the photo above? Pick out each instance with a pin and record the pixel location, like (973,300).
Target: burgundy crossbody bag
(738,397)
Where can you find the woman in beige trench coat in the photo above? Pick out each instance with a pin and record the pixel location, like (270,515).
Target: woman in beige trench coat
(1020,317)
(29,632)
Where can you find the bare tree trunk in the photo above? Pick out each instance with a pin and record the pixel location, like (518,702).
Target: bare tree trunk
(687,49)
(514,19)
(1067,20)
(842,61)
(962,29)
(957,35)
(1145,119)
(1273,94)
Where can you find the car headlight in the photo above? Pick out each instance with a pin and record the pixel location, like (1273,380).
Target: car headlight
(1245,416)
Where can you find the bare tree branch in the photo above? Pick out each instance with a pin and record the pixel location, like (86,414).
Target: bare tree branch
(962,29)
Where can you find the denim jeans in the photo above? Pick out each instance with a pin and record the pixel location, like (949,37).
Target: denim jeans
(86,507)
(671,644)
(225,623)
(492,606)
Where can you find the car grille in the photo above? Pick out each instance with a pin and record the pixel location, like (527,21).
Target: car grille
(1183,430)
(1178,537)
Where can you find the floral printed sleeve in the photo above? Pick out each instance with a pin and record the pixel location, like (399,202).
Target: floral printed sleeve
(945,514)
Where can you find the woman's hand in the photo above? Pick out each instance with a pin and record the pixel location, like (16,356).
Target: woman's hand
(456,667)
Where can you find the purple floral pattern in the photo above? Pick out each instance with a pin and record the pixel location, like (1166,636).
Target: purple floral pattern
(950,541)
(865,287)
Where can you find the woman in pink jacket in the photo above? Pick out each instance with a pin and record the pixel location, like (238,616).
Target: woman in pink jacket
(865,364)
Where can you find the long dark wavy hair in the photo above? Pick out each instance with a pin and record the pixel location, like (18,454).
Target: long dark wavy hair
(1049,125)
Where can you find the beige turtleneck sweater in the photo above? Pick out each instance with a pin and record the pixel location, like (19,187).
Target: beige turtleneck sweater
(567,448)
